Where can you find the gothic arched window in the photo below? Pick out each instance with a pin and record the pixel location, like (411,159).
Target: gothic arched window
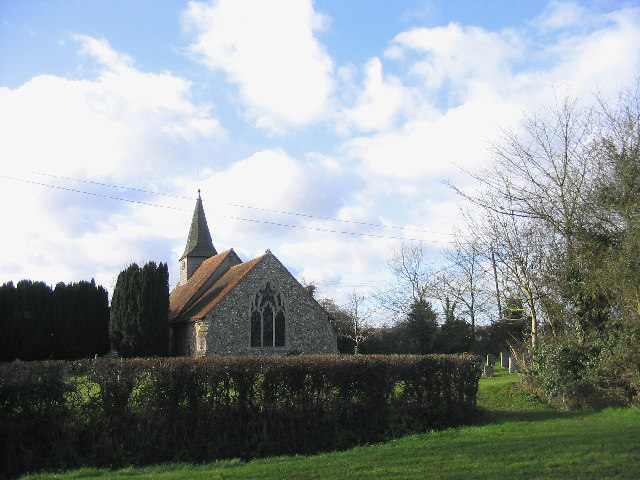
(267,319)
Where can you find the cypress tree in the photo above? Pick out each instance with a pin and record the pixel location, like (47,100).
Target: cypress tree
(139,320)
(8,329)
(81,320)
(34,325)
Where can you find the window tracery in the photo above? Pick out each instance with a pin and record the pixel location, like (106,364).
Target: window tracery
(268,318)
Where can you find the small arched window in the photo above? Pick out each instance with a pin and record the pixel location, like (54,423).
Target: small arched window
(267,319)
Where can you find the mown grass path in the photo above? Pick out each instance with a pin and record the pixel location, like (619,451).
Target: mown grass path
(517,437)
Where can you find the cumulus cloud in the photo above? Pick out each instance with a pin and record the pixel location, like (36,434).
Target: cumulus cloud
(269,49)
(263,186)
(476,83)
(603,57)
(457,58)
(379,102)
(120,122)
(558,16)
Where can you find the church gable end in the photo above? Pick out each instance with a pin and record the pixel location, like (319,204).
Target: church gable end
(266,312)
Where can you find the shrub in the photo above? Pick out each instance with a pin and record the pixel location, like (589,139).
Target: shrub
(572,374)
(112,413)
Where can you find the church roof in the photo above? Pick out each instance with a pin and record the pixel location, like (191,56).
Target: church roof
(215,293)
(199,242)
(182,295)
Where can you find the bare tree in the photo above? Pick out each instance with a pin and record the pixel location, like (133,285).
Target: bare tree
(412,277)
(359,314)
(464,280)
(534,204)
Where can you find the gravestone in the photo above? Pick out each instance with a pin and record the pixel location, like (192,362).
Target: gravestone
(482,364)
(504,359)
(513,365)
(488,370)
(491,359)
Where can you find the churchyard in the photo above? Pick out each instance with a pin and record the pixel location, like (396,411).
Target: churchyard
(516,436)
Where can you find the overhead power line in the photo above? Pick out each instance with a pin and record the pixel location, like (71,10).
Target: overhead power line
(251,207)
(266,222)
(317,229)
(119,187)
(110,197)
(306,215)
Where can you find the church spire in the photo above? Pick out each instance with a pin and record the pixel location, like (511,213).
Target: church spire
(199,245)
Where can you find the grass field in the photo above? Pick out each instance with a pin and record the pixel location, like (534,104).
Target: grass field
(517,437)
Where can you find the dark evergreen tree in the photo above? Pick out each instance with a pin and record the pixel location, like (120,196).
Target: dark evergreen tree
(33,325)
(9,338)
(455,335)
(139,319)
(419,328)
(38,323)
(81,320)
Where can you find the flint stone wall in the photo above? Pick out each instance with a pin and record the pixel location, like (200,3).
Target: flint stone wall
(226,329)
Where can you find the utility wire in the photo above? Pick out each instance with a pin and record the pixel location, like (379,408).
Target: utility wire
(282,212)
(33,182)
(321,229)
(332,219)
(317,229)
(119,187)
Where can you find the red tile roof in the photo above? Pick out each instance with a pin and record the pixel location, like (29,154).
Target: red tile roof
(182,295)
(221,288)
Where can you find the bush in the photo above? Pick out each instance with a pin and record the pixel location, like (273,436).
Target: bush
(113,413)
(581,375)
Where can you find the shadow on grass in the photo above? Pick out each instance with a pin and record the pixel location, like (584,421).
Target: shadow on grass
(487,416)
(501,399)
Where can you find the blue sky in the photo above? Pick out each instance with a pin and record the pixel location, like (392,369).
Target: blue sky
(326,116)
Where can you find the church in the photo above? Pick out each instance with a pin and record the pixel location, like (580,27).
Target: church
(224,306)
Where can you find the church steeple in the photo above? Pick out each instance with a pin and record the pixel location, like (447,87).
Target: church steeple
(199,245)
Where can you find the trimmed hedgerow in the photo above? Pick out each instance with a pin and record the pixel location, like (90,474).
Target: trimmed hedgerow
(111,413)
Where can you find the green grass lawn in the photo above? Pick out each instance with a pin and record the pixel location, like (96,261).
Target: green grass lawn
(516,437)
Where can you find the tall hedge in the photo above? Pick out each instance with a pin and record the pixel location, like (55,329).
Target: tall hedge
(112,413)
(139,319)
(38,322)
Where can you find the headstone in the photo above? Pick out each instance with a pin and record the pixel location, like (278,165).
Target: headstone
(513,365)
(504,359)
(491,359)
(482,363)
(488,370)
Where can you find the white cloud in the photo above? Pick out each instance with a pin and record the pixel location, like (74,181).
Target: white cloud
(117,124)
(456,57)
(559,16)
(270,179)
(602,59)
(468,83)
(338,264)
(379,102)
(270,50)
(425,149)
(263,186)
(103,53)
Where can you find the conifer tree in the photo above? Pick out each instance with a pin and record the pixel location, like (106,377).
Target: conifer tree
(8,328)
(139,319)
